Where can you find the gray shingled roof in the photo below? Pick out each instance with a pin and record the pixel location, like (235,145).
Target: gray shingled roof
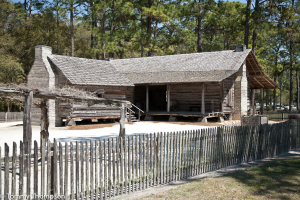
(81,71)
(195,67)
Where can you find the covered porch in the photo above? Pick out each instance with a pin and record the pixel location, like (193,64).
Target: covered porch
(198,100)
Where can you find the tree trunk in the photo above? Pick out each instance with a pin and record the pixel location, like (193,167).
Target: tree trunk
(25,5)
(281,91)
(246,34)
(142,45)
(30,8)
(261,101)
(155,36)
(199,32)
(274,96)
(298,95)
(291,66)
(291,75)
(149,30)
(255,22)
(111,54)
(72,29)
(102,33)
(228,44)
(57,27)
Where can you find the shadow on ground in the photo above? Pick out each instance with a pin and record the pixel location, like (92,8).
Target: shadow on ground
(278,179)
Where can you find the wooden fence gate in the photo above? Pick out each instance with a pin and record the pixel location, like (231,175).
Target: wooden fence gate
(115,166)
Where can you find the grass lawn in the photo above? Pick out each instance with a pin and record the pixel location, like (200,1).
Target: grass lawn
(274,180)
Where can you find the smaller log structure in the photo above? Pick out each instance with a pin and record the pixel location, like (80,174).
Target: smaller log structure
(42,97)
(80,110)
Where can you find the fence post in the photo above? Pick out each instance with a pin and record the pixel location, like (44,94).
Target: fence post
(122,121)
(54,169)
(6,172)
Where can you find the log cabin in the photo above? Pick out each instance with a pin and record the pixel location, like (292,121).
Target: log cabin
(208,84)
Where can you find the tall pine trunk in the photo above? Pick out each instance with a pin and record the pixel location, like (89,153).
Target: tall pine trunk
(281,81)
(142,44)
(199,32)
(246,34)
(291,75)
(72,29)
(274,96)
(291,66)
(155,36)
(102,33)
(149,29)
(57,26)
(298,95)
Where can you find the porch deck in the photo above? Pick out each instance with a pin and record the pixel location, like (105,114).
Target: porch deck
(185,114)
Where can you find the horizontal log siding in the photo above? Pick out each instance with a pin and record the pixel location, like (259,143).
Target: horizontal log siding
(190,94)
(186,95)
(64,106)
(128,90)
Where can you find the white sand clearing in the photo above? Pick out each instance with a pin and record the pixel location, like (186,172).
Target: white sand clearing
(13,132)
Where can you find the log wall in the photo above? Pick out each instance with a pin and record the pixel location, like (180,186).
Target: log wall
(188,96)
(82,110)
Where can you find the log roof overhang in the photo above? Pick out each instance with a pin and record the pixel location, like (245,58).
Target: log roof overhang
(19,91)
(258,78)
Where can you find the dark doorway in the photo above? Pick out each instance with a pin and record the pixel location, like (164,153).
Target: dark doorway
(157,98)
(140,97)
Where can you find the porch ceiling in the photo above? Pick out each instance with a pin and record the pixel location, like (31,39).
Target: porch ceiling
(258,78)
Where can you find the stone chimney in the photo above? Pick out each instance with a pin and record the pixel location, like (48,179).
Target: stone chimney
(41,75)
(240,48)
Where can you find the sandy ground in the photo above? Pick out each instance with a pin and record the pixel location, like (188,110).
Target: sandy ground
(13,131)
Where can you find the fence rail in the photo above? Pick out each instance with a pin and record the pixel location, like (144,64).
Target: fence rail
(115,166)
(279,114)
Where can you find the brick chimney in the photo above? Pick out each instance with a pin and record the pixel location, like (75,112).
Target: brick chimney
(240,48)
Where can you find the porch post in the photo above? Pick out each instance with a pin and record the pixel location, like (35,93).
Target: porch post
(203,100)
(261,101)
(221,96)
(168,98)
(147,98)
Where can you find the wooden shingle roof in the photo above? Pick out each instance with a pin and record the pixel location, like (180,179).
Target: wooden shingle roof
(81,71)
(195,67)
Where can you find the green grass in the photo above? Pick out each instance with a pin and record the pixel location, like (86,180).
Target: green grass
(274,180)
(276,115)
